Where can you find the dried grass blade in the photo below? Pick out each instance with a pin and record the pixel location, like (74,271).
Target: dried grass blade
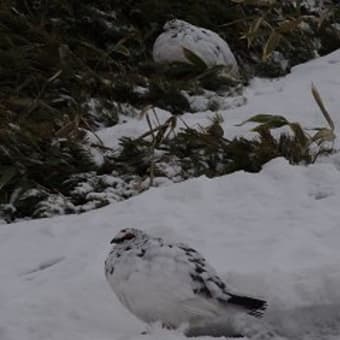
(322,107)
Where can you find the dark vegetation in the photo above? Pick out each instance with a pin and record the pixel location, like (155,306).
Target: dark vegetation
(69,67)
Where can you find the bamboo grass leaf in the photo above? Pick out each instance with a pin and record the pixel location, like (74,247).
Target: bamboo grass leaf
(195,59)
(272,42)
(6,175)
(269,119)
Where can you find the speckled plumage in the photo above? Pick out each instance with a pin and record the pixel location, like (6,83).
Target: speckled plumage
(170,282)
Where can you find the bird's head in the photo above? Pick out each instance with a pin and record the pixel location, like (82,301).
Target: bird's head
(126,235)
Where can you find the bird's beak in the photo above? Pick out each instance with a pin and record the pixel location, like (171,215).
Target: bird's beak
(114,240)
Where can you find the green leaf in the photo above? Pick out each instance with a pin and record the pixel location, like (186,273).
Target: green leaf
(289,25)
(324,135)
(272,42)
(300,135)
(195,59)
(253,31)
(121,49)
(6,174)
(273,121)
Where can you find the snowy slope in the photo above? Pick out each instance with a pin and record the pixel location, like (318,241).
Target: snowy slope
(274,234)
(289,96)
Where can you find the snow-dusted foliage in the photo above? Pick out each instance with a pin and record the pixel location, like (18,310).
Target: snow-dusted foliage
(97,71)
(89,191)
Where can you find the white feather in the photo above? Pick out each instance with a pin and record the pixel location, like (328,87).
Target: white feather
(167,282)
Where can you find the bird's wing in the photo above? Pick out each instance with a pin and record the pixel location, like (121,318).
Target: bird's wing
(208,284)
(203,276)
(193,282)
(155,284)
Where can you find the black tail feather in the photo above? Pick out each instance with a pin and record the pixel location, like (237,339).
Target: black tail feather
(255,306)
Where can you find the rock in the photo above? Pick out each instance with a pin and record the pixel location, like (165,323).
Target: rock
(207,45)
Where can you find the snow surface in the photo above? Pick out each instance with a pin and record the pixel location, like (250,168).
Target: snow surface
(274,234)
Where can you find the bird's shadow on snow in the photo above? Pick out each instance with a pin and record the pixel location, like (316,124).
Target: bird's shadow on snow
(318,322)
(310,322)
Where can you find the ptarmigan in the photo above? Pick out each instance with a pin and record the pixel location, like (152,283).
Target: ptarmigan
(209,46)
(171,283)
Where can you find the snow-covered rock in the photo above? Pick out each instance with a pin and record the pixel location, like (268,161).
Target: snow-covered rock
(179,35)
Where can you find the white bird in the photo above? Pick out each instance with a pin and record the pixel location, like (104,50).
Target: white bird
(209,46)
(171,283)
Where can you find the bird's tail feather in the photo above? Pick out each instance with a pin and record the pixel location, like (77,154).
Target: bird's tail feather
(255,306)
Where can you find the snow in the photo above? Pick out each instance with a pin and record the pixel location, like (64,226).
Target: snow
(273,234)
(206,44)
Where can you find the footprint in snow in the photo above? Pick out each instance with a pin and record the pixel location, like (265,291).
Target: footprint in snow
(44,265)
